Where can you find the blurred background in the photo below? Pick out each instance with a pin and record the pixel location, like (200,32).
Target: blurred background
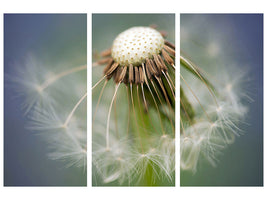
(54,39)
(240,41)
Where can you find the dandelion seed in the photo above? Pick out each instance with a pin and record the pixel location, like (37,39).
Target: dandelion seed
(211,101)
(53,112)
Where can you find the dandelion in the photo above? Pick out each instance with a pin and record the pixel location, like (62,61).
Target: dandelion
(140,148)
(211,97)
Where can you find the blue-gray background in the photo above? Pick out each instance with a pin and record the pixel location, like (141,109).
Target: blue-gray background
(242,162)
(53,37)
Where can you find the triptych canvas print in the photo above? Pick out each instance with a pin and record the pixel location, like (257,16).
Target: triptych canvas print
(132,111)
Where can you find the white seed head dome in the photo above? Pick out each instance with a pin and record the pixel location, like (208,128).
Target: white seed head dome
(136,44)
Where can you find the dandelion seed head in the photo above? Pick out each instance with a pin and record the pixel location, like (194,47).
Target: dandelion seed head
(136,44)
(144,62)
